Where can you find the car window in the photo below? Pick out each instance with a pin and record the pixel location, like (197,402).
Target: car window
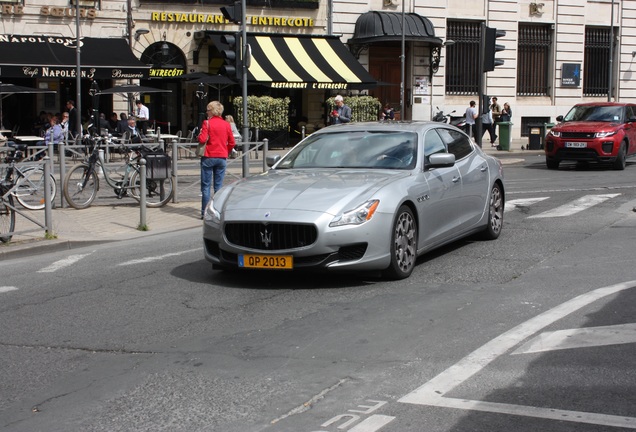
(354,149)
(595,113)
(433,144)
(458,143)
(629,113)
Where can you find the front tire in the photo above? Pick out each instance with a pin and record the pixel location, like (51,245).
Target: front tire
(495,214)
(80,190)
(29,191)
(621,158)
(403,245)
(7,219)
(552,164)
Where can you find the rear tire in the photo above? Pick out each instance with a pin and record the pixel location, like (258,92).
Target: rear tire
(495,214)
(621,159)
(77,196)
(403,245)
(158,192)
(29,191)
(7,219)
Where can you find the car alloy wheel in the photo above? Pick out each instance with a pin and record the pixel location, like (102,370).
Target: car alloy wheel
(403,244)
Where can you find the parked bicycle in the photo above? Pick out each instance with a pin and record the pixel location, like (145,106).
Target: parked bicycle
(82,181)
(28,180)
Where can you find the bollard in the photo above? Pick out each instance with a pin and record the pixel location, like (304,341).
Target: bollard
(265,150)
(175,174)
(302,135)
(62,148)
(142,194)
(246,162)
(50,153)
(48,213)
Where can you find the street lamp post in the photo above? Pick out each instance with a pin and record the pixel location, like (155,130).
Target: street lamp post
(402,66)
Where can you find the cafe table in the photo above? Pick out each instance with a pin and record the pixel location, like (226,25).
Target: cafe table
(29,140)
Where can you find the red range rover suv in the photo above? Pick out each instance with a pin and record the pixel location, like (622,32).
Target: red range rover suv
(593,132)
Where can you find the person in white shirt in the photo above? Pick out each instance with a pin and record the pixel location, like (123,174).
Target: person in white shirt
(143,115)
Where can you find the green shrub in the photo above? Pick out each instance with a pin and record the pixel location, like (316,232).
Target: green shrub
(264,112)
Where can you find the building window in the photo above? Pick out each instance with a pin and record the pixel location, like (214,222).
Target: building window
(596,61)
(533,60)
(462,58)
(92,4)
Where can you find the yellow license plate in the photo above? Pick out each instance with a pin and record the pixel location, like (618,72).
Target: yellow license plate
(266,261)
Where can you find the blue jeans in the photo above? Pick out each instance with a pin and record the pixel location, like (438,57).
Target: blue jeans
(211,168)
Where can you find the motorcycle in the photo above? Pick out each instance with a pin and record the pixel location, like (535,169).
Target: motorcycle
(458,122)
(440,117)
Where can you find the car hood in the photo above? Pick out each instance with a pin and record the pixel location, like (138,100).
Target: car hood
(586,126)
(328,191)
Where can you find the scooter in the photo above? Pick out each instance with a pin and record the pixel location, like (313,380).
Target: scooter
(458,122)
(440,117)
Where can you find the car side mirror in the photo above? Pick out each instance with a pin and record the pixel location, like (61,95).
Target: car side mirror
(271,160)
(559,118)
(440,160)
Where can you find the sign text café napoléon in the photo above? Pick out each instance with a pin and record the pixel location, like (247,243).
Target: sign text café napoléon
(64,71)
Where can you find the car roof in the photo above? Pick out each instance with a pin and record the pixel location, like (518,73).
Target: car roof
(604,104)
(400,125)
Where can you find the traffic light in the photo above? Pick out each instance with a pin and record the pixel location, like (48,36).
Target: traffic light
(491,47)
(485,104)
(233,13)
(232,56)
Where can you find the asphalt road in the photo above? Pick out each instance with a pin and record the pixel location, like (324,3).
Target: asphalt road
(532,332)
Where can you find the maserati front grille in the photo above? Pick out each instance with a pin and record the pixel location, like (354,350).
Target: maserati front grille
(271,236)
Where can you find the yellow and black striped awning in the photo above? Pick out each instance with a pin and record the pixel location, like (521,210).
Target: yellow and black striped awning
(305,62)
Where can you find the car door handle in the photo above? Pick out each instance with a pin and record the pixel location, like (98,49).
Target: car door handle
(455,179)
(484,168)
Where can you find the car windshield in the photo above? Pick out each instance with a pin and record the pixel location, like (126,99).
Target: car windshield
(354,149)
(595,114)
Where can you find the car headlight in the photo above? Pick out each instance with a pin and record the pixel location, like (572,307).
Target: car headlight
(356,216)
(604,134)
(212,214)
(555,133)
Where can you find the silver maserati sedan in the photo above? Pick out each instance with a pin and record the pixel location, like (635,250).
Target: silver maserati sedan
(358,197)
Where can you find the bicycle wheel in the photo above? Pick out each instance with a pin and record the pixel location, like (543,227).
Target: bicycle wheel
(80,189)
(7,219)
(29,190)
(158,192)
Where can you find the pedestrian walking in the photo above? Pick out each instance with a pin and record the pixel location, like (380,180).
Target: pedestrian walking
(217,136)
(471,115)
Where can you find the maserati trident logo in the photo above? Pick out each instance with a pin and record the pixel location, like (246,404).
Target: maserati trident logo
(266,237)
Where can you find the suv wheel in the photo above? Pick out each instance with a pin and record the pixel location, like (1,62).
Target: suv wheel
(552,163)
(620,162)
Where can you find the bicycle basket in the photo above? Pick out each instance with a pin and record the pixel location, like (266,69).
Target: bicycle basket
(157,165)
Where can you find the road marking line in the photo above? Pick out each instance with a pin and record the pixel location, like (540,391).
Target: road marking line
(373,423)
(4,289)
(158,257)
(575,206)
(58,265)
(580,338)
(522,202)
(432,392)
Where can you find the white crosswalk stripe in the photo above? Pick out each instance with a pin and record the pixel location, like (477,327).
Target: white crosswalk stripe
(575,206)
(567,209)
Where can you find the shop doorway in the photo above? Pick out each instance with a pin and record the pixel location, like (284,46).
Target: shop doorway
(385,65)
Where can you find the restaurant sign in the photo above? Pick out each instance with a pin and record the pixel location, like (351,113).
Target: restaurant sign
(69,72)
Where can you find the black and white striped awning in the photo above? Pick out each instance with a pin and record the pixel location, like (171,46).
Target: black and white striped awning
(305,62)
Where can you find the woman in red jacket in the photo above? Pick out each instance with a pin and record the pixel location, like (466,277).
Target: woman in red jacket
(217,136)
